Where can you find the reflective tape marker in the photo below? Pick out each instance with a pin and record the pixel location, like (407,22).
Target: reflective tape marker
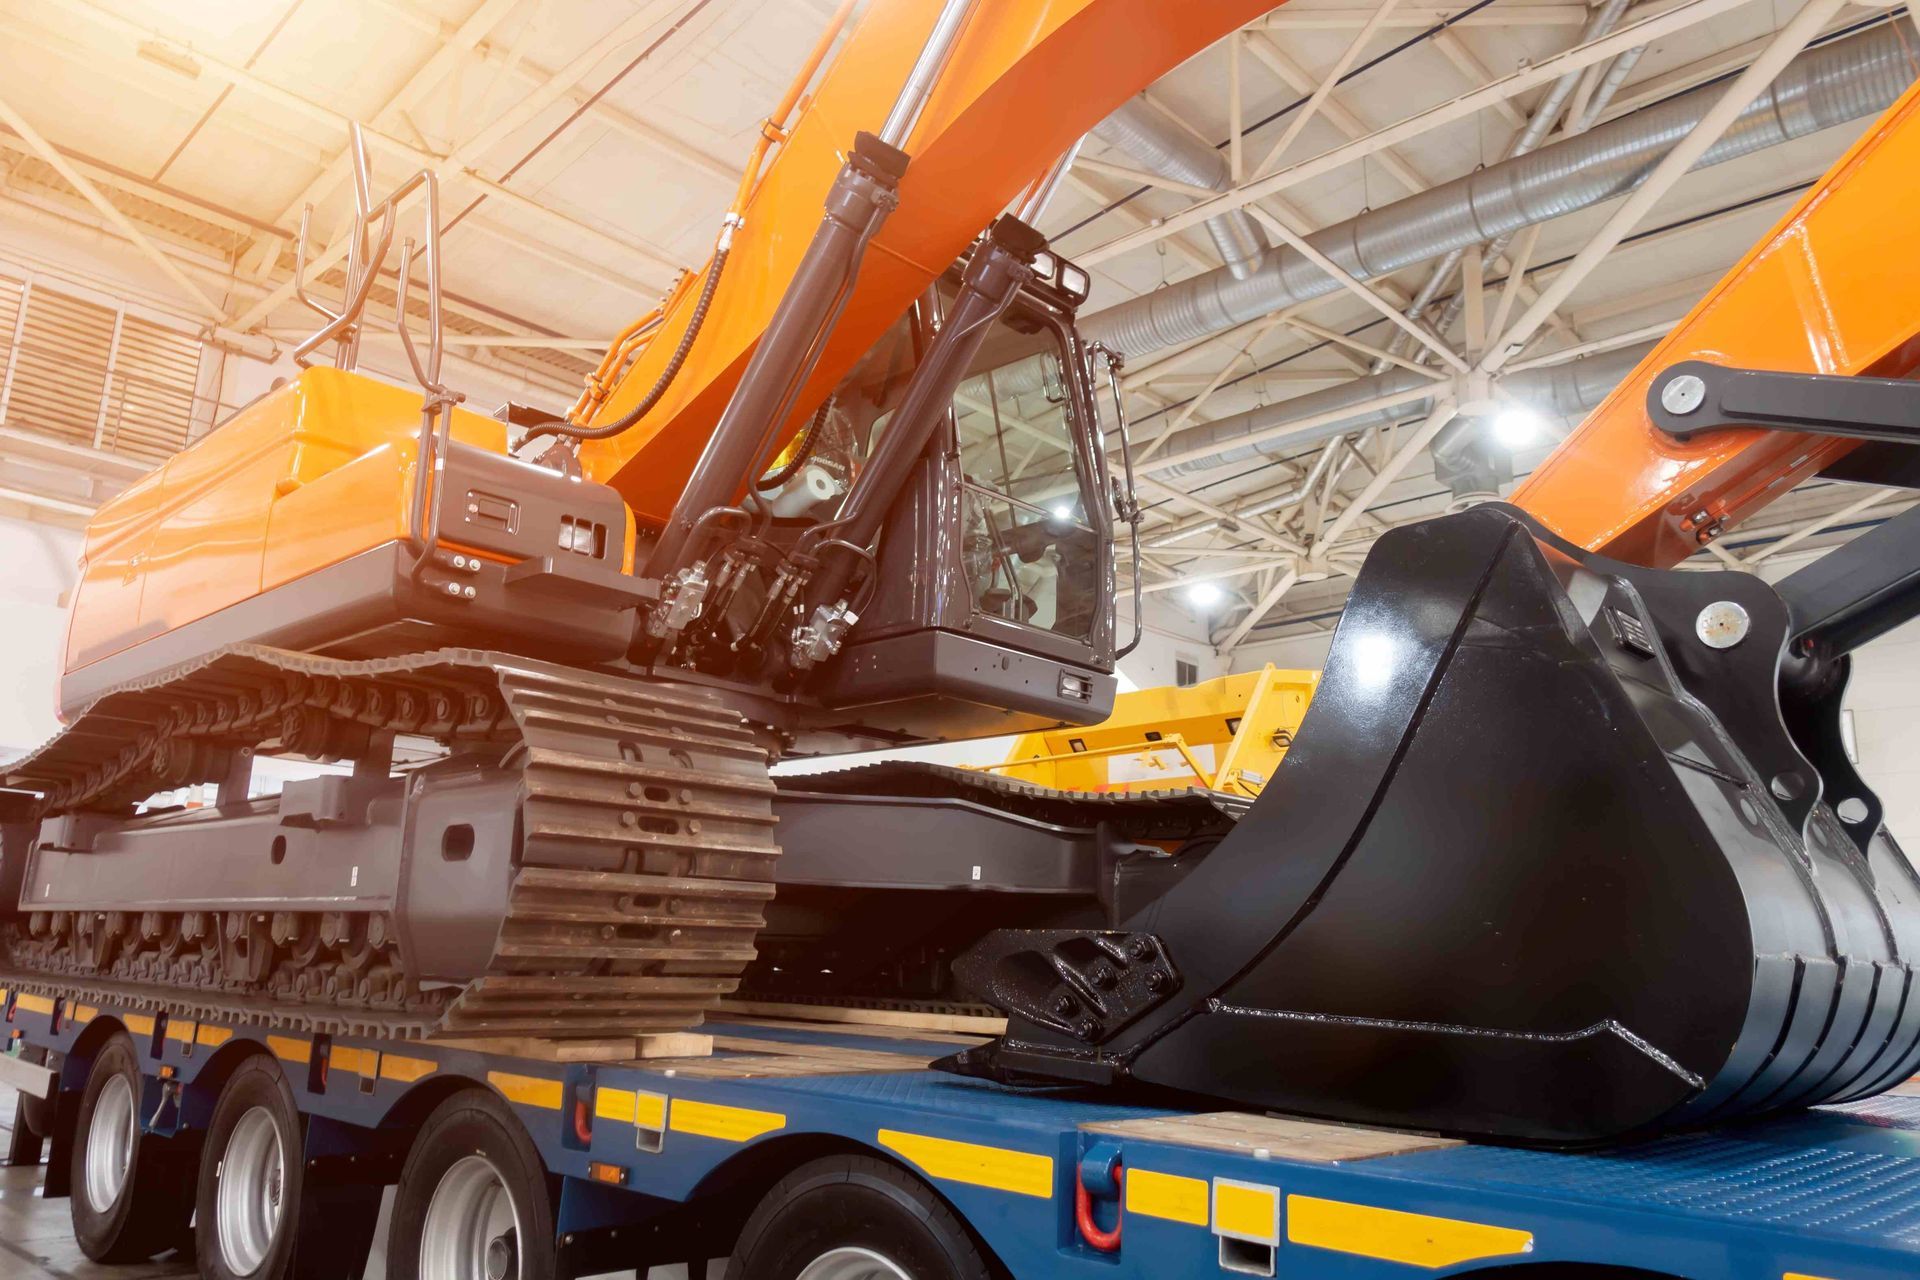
(1246,1211)
(1394,1236)
(528,1091)
(1167,1195)
(1021,1172)
(729,1124)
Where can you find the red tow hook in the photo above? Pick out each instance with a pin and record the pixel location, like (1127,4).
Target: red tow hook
(1104,1241)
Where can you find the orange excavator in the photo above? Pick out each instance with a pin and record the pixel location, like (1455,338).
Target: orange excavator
(1565,848)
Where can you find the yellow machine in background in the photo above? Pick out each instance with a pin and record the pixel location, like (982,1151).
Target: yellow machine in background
(1228,734)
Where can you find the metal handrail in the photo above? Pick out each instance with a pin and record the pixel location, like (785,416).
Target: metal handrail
(343,327)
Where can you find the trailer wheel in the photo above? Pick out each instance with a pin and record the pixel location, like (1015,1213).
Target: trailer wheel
(249,1184)
(473,1201)
(853,1218)
(127,1203)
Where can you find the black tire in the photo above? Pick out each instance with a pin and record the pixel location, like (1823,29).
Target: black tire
(228,1249)
(473,1124)
(149,1211)
(854,1202)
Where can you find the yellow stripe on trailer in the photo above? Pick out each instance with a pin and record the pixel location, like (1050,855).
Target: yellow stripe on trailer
(1246,1211)
(1392,1235)
(140,1024)
(628,1106)
(729,1124)
(1021,1172)
(528,1091)
(1167,1195)
(212,1037)
(361,1062)
(31,1003)
(290,1049)
(405,1070)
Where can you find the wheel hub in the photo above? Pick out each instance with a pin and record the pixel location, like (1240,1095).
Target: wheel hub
(247,1204)
(472,1228)
(850,1262)
(110,1139)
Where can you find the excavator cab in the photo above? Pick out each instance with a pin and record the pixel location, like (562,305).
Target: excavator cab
(932,555)
(991,604)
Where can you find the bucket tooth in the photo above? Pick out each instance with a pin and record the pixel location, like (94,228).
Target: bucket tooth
(1526,873)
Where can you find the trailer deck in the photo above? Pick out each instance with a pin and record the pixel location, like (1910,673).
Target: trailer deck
(1056,1182)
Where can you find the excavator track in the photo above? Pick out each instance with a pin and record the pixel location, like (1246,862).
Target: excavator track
(645,852)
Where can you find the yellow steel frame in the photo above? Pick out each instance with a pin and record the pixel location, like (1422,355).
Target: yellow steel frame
(1247,719)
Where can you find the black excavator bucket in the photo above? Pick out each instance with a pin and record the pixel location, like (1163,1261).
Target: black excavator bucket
(1544,864)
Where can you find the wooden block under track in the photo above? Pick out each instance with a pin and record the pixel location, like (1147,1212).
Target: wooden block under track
(908,1018)
(678,1044)
(1278,1136)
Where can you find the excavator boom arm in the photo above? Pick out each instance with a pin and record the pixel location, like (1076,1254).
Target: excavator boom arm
(1025,79)
(1832,289)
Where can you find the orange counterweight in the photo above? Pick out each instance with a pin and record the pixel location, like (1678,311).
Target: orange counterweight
(308,475)
(1831,289)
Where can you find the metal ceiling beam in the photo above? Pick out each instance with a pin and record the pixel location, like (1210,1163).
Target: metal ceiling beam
(203,302)
(1179,244)
(455,167)
(532,73)
(39,207)
(1260,610)
(1686,14)
(1337,114)
(445,59)
(1818,525)
(1475,72)
(1787,43)
(1443,412)
(1299,17)
(1329,81)
(1360,289)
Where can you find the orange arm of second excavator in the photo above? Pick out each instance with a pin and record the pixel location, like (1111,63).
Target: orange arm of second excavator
(1026,78)
(1834,288)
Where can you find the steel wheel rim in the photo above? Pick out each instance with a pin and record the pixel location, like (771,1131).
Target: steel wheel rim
(851,1263)
(110,1135)
(473,1229)
(247,1206)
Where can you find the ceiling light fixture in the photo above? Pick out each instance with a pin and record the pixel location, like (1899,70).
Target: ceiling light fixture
(1517,426)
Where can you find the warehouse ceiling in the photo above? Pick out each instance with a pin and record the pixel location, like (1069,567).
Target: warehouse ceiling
(587,151)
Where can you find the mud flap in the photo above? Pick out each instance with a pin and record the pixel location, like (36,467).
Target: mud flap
(1519,877)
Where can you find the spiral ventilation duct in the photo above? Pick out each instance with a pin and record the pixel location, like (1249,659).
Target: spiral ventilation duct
(1160,146)
(1568,390)
(1823,87)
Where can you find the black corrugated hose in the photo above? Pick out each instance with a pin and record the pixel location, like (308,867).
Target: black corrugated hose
(665,380)
(801,452)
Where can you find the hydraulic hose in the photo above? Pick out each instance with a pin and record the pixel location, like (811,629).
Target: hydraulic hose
(802,450)
(660,385)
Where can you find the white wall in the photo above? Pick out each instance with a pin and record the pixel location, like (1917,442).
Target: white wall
(1884,697)
(39,570)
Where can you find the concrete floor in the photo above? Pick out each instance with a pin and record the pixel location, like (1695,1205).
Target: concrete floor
(36,1236)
